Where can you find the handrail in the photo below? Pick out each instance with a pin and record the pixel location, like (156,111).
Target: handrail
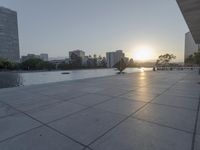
(177,68)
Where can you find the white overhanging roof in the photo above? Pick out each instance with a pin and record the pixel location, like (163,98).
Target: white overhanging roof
(191,12)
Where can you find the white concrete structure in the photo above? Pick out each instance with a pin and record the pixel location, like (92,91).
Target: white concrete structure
(190,46)
(114,57)
(191,13)
(44,57)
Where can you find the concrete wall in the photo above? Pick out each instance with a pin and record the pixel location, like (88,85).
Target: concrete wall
(9,41)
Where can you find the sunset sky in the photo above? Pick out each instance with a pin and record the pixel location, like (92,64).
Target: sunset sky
(144,29)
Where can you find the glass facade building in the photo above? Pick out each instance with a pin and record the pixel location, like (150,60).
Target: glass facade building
(9,39)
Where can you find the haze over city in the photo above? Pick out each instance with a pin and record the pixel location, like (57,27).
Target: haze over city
(143,29)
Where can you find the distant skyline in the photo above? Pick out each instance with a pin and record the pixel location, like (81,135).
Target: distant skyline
(98,26)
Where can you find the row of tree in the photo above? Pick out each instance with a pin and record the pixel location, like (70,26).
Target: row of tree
(92,62)
(162,61)
(193,59)
(165,60)
(77,62)
(7,65)
(37,64)
(30,64)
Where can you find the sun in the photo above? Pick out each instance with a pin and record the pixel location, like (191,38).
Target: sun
(143,53)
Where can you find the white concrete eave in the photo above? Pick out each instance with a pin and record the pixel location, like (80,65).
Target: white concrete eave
(191,12)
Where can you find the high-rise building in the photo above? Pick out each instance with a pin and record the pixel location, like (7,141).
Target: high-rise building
(110,58)
(79,54)
(9,40)
(44,57)
(114,57)
(190,46)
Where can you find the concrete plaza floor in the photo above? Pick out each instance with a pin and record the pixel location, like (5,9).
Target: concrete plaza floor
(139,111)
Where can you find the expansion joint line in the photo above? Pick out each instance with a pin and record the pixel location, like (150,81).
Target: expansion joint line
(133,113)
(195,126)
(42,124)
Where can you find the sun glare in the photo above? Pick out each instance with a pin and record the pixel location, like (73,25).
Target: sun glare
(143,53)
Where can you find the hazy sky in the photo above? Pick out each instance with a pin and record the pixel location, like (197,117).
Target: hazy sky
(96,26)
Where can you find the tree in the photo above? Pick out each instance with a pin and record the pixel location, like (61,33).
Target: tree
(1,65)
(49,66)
(164,60)
(95,60)
(190,60)
(103,62)
(197,57)
(132,63)
(121,65)
(31,64)
(7,65)
(64,66)
(37,64)
(193,59)
(91,62)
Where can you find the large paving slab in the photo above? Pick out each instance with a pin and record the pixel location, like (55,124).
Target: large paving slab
(151,90)
(178,118)
(121,106)
(6,110)
(113,91)
(142,111)
(197,143)
(140,96)
(92,89)
(87,125)
(16,96)
(62,93)
(41,138)
(187,87)
(90,99)
(177,101)
(34,103)
(55,111)
(198,124)
(185,93)
(16,124)
(138,135)
(67,95)
(31,102)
